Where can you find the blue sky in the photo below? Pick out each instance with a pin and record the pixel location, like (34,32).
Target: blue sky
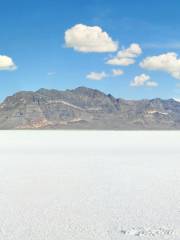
(32,35)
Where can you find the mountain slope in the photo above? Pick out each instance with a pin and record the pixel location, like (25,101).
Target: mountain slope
(85,108)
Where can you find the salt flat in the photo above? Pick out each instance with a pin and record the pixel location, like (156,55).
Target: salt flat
(70,185)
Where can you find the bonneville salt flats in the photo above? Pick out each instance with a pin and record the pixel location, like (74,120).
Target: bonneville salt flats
(89,185)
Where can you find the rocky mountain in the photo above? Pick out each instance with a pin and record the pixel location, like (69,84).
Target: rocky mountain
(84,108)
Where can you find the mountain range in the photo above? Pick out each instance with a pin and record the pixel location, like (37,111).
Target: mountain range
(85,108)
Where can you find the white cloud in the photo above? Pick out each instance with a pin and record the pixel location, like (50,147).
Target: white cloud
(117,72)
(127,56)
(84,38)
(6,63)
(132,52)
(152,84)
(96,76)
(140,80)
(120,61)
(168,62)
(143,80)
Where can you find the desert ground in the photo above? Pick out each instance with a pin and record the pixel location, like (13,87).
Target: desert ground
(73,185)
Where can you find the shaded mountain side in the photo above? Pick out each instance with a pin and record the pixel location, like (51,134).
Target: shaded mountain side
(85,108)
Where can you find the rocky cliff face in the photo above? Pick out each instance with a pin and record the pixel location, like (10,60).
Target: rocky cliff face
(84,108)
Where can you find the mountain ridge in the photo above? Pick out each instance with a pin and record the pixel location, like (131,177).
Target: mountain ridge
(86,108)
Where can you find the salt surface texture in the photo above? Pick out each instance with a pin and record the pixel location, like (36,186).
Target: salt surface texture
(89,185)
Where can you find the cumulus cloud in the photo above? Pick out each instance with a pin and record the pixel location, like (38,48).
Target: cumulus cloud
(84,38)
(127,56)
(96,75)
(120,61)
(6,63)
(143,80)
(140,80)
(132,52)
(168,62)
(117,72)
